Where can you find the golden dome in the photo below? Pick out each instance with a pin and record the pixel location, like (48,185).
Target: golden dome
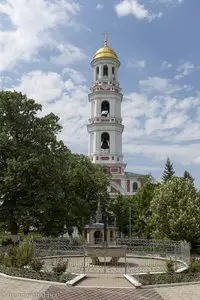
(105,51)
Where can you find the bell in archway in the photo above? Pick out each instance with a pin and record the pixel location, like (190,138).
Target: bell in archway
(105,145)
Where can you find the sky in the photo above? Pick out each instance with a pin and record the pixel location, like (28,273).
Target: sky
(45,51)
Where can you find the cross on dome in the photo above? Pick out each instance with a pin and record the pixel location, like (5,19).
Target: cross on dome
(105,51)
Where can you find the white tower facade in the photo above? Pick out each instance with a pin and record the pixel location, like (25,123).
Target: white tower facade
(105,126)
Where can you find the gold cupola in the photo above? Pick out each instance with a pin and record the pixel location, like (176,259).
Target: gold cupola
(105,51)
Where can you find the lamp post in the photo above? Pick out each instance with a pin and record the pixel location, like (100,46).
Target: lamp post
(130,231)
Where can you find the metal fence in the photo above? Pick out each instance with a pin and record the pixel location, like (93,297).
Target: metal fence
(141,255)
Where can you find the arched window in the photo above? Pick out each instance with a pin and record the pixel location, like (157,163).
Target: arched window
(97,73)
(113,73)
(105,142)
(105,71)
(105,109)
(135,187)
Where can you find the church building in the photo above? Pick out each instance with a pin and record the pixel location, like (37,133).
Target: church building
(105,125)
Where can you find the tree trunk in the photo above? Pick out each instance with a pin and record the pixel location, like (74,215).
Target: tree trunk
(14,231)
(26,230)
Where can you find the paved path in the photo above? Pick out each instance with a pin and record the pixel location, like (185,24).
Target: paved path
(184,292)
(24,290)
(78,293)
(105,280)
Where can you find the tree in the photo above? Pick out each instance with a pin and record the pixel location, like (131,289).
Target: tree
(168,171)
(42,184)
(139,207)
(176,210)
(188,176)
(30,160)
(88,185)
(143,198)
(122,207)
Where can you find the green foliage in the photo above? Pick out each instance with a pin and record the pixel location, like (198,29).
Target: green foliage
(28,273)
(150,279)
(195,266)
(187,175)
(24,254)
(6,242)
(170,266)
(42,184)
(176,210)
(60,267)
(18,255)
(66,277)
(138,208)
(168,172)
(123,208)
(2,255)
(143,198)
(36,265)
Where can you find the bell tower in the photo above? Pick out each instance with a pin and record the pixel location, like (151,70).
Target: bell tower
(105,126)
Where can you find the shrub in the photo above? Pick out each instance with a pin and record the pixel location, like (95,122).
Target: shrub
(10,258)
(17,255)
(61,267)
(195,266)
(77,241)
(36,265)
(170,266)
(65,277)
(7,242)
(2,258)
(24,254)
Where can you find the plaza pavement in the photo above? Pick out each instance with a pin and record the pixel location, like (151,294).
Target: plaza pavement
(25,290)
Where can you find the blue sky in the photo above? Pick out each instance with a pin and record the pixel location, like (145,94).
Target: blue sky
(45,51)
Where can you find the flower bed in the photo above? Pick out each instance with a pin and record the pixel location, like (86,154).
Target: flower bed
(151,279)
(18,260)
(28,273)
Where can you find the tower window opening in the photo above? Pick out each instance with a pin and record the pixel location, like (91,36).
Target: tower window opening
(135,187)
(113,73)
(105,142)
(105,109)
(105,71)
(97,73)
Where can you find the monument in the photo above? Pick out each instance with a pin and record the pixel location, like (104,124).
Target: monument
(100,240)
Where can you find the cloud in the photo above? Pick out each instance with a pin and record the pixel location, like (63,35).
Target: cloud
(141,12)
(165,65)
(133,7)
(162,85)
(168,3)
(100,6)
(128,7)
(144,168)
(67,55)
(133,63)
(30,27)
(161,126)
(185,68)
(158,152)
(65,95)
(155,127)
(41,86)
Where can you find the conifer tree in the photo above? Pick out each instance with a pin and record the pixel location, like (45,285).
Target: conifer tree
(168,172)
(187,175)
